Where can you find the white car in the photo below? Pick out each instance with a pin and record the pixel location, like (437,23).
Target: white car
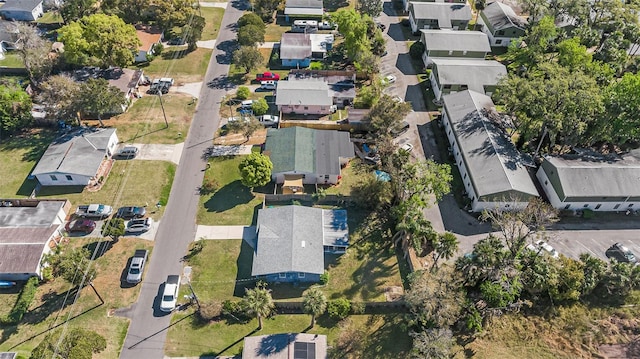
(407,147)
(267,85)
(542,246)
(269,120)
(139,225)
(170,293)
(389,79)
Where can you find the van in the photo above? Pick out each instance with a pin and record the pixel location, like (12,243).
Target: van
(128,152)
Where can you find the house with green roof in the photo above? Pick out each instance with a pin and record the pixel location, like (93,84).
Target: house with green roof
(314,156)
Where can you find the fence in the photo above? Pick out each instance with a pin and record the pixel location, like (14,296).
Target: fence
(369,307)
(332,199)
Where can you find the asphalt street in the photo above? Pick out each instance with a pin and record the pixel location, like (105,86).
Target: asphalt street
(148,328)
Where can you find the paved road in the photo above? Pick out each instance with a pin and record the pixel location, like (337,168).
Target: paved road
(147,331)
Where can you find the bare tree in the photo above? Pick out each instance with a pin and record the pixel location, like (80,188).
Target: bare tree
(34,51)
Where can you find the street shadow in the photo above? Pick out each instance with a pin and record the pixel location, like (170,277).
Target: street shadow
(227,48)
(240,4)
(225,82)
(228,197)
(244,263)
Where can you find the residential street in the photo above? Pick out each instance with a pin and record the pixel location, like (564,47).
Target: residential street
(148,328)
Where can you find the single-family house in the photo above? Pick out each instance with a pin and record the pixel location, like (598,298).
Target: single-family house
(501,24)
(7,37)
(405,3)
(594,182)
(303,9)
(76,158)
(292,240)
(285,346)
(297,50)
(308,97)
(22,10)
(493,171)
(126,80)
(27,227)
(435,15)
(312,156)
(341,84)
(452,75)
(453,44)
(149,37)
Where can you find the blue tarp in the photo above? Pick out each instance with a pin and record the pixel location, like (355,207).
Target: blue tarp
(382,176)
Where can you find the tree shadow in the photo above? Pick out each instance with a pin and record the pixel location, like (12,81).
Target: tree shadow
(244,264)
(174,54)
(51,302)
(334,5)
(99,247)
(59,190)
(227,48)
(390,340)
(228,197)
(34,144)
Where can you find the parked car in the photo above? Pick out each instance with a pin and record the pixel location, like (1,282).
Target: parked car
(402,129)
(269,120)
(128,152)
(267,86)
(81,226)
(100,211)
(167,80)
(407,147)
(159,87)
(621,254)
(170,293)
(542,245)
(134,274)
(326,25)
(246,104)
(139,225)
(131,212)
(389,79)
(267,76)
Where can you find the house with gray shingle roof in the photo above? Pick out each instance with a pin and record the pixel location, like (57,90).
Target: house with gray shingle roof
(297,50)
(22,10)
(316,155)
(292,240)
(405,3)
(595,182)
(493,171)
(303,9)
(27,227)
(452,75)
(310,98)
(501,24)
(453,44)
(74,158)
(434,15)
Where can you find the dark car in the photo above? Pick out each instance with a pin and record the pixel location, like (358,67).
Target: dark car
(621,254)
(381,26)
(131,212)
(81,226)
(404,127)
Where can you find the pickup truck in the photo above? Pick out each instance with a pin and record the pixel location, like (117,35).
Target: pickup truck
(94,211)
(134,274)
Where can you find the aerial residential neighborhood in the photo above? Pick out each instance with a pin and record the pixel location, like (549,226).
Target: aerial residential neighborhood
(319,179)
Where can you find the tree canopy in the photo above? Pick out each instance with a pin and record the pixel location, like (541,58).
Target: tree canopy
(99,98)
(255,170)
(34,52)
(248,58)
(258,302)
(99,40)
(15,108)
(76,343)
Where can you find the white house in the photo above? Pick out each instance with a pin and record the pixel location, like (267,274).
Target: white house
(449,75)
(22,10)
(501,24)
(453,44)
(493,171)
(75,158)
(597,183)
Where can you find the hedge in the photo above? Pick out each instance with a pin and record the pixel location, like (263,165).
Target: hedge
(24,301)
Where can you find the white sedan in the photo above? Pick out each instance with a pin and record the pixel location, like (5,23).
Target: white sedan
(389,79)
(407,147)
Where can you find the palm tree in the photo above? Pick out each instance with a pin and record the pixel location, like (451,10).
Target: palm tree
(445,247)
(314,302)
(258,302)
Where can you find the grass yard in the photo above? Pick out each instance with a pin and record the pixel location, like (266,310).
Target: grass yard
(51,17)
(383,336)
(129,183)
(213,19)
(87,312)
(176,62)
(275,30)
(351,175)
(12,60)
(232,203)
(18,156)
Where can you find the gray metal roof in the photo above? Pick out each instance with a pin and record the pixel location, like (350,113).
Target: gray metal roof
(330,146)
(295,46)
(502,16)
(443,12)
(450,40)
(21,248)
(303,93)
(313,4)
(24,5)
(285,346)
(42,215)
(494,164)
(335,227)
(79,152)
(290,239)
(583,176)
(471,72)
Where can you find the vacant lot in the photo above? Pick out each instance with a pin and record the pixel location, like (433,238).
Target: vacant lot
(213,18)
(232,203)
(176,62)
(55,303)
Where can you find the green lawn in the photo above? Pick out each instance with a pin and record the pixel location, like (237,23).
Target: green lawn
(350,176)
(129,183)
(12,60)
(274,31)
(232,203)
(176,62)
(213,18)
(18,156)
(87,312)
(51,17)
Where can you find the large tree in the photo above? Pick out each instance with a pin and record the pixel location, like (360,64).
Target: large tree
(255,170)
(354,27)
(248,58)
(258,302)
(99,40)
(622,103)
(15,109)
(74,265)
(435,299)
(34,52)
(99,98)
(76,343)
(170,13)
(74,10)
(372,8)
(445,246)
(432,343)
(251,18)
(250,35)
(314,302)
(59,95)
(265,8)
(192,31)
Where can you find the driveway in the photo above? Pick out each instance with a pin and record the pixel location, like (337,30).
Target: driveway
(248,233)
(157,152)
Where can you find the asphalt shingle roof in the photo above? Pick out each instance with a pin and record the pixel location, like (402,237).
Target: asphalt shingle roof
(295,46)
(449,40)
(474,73)
(493,162)
(303,92)
(444,12)
(24,5)
(502,16)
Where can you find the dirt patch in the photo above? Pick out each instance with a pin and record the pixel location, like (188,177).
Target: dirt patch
(258,138)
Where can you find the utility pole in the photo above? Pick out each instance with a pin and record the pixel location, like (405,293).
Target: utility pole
(193,295)
(162,106)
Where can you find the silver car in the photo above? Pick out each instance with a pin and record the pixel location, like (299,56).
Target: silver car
(139,225)
(134,274)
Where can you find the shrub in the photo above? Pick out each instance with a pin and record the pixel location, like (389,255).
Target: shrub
(260,107)
(275,57)
(324,278)
(339,308)
(209,311)
(47,274)
(587,214)
(243,93)
(416,50)
(157,49)
(24,301)
(209,185)
(316,65)
(358,307)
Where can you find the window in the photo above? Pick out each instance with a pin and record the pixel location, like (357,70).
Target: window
(585,206)
(450,52)
(282,275)
(301,275)
(306,107)
(326,176)
(498,42)
(598,206)
(464,53)
(69,178)
(616,206)
(567,206)
(465,176)
(53,177)
(507,205)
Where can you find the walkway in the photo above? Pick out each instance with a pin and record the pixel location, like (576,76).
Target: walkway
(158,152)
(247,233)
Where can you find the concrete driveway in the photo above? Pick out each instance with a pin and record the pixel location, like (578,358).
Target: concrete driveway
(248,233)
(157,152)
